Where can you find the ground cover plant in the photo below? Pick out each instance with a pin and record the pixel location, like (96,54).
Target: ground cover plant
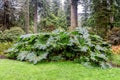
(116,60)
(16,70)
(7,39)
(4,46)
(59,45)
(11,35)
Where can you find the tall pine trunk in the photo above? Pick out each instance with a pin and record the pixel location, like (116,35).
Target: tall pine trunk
(74,16)
(27,17)
(112,14)
(6,15)
(35,16)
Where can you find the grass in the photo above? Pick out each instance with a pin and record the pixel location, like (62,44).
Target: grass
(15,70)
(116,59)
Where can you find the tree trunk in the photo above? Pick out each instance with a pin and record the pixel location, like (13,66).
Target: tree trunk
(112,14)
(86,8)
(6,15)
(35,17)
(27,17)
(74,22)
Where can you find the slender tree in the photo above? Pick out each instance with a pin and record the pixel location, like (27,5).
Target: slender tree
(67,10)
(27,17)
(6,14)
(117,13)
(35,15)
(74,16)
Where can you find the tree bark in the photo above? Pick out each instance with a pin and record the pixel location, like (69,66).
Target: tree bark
(112,14)
(74,16)
(35,17)
(6,15)
(27,17)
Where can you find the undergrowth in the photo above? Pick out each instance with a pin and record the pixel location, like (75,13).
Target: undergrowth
(59,45)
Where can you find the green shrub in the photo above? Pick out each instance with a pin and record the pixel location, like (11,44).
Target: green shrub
(4,46)
(11,35)
(78,46)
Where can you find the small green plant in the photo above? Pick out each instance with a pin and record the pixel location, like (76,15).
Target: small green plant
(11,35)
(78,45)
(4,47)
(116,59)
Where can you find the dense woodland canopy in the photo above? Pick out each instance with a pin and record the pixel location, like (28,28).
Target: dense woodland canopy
(56,31)
(103,14)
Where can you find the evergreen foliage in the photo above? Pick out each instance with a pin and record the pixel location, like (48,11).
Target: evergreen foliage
(104,15)
(53,22)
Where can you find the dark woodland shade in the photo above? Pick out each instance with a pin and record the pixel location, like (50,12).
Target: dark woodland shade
(6,14)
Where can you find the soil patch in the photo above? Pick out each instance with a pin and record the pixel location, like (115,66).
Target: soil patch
(3,57)
(114,65)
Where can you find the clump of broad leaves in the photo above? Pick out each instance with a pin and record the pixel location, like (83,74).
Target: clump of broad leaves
(59,45)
